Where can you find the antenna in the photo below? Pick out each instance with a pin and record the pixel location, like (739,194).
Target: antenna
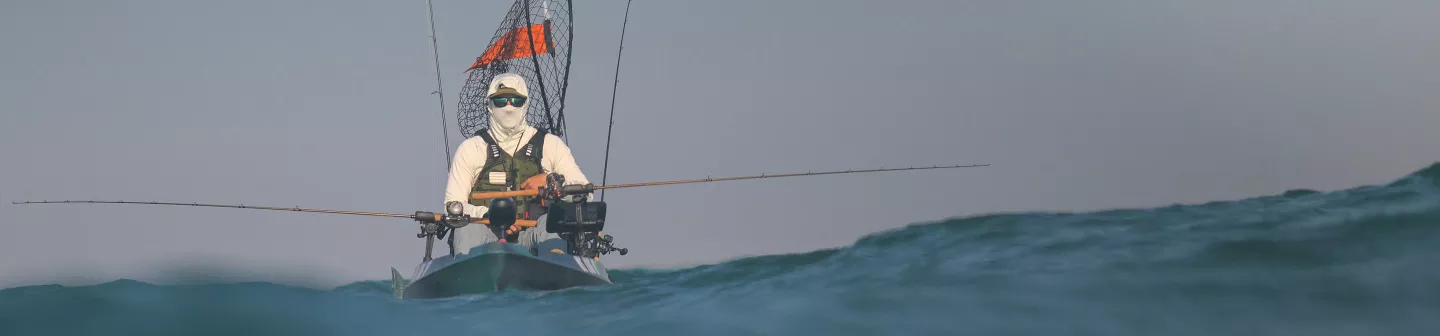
(439,88)
(605,171)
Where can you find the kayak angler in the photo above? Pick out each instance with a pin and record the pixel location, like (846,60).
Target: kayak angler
(510,155)
(518,211)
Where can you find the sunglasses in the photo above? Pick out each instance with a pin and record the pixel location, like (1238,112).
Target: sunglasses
(502,101)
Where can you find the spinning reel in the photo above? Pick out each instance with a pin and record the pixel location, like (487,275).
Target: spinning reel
(433,225)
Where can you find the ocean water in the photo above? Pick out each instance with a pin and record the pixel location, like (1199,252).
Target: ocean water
(1362,261)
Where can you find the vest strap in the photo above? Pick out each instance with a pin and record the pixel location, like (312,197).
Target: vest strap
(525,162)
(531,151)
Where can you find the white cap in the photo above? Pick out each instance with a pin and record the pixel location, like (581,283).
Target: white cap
(508,83)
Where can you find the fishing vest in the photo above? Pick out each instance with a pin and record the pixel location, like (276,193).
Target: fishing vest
(504,172)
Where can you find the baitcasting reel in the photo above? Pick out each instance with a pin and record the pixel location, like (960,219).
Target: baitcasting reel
(591,244)
(606,244)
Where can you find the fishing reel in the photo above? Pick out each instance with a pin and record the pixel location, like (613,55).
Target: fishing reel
(555,190)
(437,225)
(580,224)
(433,225)
(606,244)
(592,244)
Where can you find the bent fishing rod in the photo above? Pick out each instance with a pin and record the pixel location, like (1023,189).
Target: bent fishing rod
(553,190)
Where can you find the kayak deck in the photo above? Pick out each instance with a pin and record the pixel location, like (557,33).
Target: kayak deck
(498,266)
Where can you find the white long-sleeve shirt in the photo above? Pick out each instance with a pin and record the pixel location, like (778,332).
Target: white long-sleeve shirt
(471,157)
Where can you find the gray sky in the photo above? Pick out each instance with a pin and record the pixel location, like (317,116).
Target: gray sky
(327,104)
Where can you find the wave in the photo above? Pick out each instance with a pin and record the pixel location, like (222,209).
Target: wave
(1359,261)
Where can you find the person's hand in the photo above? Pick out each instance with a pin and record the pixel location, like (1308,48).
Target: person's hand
(534,182)
(540,183)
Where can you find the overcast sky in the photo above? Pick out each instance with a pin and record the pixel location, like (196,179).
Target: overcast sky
(1078,105)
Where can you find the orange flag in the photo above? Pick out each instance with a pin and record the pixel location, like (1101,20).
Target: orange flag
(518,43)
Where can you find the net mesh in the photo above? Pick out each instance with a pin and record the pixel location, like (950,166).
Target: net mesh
(544,65)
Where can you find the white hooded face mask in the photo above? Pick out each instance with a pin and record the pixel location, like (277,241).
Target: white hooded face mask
(509,120)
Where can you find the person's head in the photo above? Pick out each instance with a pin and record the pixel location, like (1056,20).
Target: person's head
(508,99)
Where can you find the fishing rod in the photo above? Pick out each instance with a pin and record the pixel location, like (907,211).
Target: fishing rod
(438,224)
(439,87)
(587,188)
(604,172)
(430,217)
(421,216)
(432,224)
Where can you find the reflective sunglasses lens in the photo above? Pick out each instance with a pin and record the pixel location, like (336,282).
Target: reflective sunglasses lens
(500,101)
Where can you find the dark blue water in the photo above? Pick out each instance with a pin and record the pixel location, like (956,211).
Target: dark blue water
(1363,261)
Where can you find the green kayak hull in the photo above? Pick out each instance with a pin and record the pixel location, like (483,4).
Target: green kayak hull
(497,267)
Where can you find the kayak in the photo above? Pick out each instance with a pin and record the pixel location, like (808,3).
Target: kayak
(496,266)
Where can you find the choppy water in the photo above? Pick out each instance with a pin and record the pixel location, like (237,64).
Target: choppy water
(1363,261)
